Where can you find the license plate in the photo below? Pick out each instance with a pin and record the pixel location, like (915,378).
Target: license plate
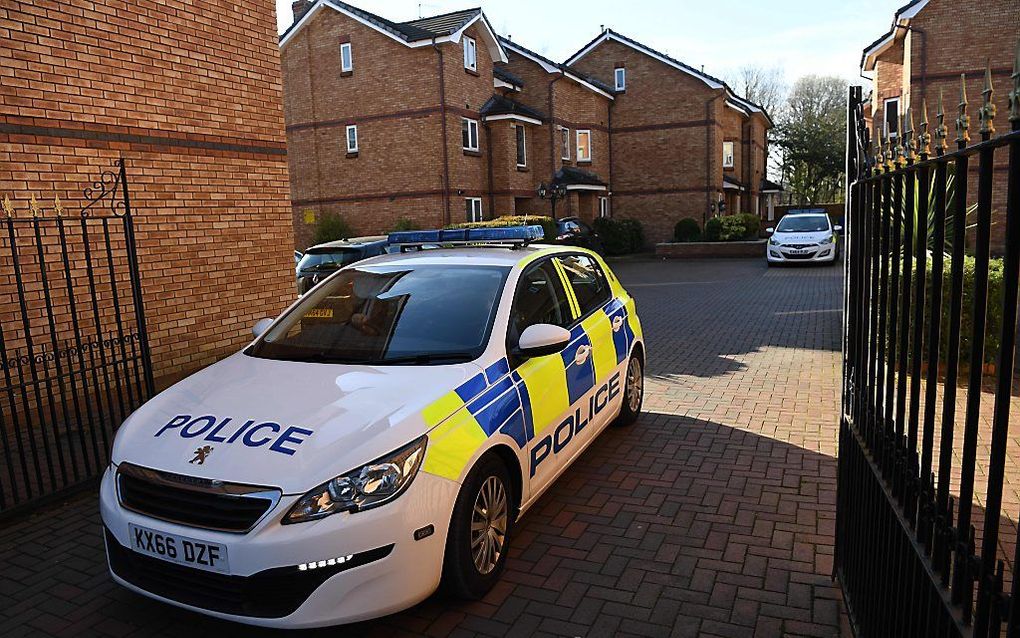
(319,313)
(179,549)
(797,251)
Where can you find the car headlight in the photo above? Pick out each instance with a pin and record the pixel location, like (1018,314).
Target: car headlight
(773,241)
(368,486)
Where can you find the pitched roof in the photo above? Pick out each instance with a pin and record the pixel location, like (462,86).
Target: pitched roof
(768,185)
(900,18)
(570,175)
(499,105)
(443,24)
(550,66)
(501,72)
(713,82)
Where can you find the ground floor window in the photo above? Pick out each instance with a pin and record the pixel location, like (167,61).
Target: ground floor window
(473,206)
(603,207)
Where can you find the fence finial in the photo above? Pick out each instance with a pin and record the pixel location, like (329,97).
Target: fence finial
(58,208)
(963,120)
(987,111)
(33,205)
(1014,95)
(923,136)
(908,135)
(899,143)
(7,206)
(940,129)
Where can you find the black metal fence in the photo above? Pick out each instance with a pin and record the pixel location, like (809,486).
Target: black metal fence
(74,356)
(920,545)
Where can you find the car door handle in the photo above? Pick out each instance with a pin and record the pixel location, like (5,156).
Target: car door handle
(582,354)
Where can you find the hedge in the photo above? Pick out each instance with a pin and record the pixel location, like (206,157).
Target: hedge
(620,236)
(993,325)
(732,228)
(331,227)
(686,230)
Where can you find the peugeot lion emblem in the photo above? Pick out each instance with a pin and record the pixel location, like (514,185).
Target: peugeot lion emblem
(201,454)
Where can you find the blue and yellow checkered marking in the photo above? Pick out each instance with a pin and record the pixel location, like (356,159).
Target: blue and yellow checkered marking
(498,400)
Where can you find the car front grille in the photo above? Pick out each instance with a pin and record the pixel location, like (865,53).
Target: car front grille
(192,501)
(799,246)
(272,593)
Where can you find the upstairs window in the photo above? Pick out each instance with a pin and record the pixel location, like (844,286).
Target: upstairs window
(584,146)
(473,206)
(565,143)
(346,61)
(470,54)
(727,154)
(469,134)
(621,78)
(352,138)
(522,147)
(892,117)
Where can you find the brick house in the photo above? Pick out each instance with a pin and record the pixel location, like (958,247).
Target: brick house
(489,120)
(930,43)
(192,101)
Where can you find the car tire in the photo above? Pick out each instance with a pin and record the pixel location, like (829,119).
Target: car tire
(469,568)
(635,383)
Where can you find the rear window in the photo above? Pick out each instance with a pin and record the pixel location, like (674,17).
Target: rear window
(390,316)
(336,258)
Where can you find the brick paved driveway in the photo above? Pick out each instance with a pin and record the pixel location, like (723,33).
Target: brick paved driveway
(711,516)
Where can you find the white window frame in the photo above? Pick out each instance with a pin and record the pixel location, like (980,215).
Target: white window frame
(603,207)
(349,64)
(620,78)
(347,138)
(565,143)
(524,140)
(577,140)
(885,117)
(472,127)
(474,204)
(470,54)
(728,158)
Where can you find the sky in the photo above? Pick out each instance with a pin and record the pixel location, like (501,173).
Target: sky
(801,37)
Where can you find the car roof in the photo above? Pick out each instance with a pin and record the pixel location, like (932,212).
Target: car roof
(470,255)
(353,242)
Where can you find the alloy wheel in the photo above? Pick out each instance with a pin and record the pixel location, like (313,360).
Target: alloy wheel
(488,525)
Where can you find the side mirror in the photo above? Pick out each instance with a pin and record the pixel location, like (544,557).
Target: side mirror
(261,326)
(770,230)
(837,229)
(543,339)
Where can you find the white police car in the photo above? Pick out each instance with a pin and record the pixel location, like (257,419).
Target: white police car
(803,237)
(382,435)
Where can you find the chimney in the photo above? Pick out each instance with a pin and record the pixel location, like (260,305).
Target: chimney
(301,7)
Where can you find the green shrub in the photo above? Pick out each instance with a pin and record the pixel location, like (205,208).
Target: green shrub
(620,236)
(547,224)
(405,223)
(331,227)
(752,226)
(993,325)
(686,230)
(713,229)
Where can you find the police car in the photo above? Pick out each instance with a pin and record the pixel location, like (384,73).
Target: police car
(381,437)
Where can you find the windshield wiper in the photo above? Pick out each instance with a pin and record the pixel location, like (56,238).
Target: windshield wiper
(425,359)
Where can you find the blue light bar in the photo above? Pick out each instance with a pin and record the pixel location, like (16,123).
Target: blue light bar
(514,235)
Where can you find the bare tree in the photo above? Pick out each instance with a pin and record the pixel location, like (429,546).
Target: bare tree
(765,86)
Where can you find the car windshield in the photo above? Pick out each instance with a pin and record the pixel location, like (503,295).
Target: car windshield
(803,224)
(334,258)
(428,314)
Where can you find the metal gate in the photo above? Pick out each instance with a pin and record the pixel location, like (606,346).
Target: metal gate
(74,357)
(920,550)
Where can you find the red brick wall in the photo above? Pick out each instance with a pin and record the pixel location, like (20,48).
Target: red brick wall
(190,96)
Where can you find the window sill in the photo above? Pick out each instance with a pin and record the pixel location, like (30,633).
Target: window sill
(351,155)
(523,169)
(346,74)
(471,72)
(566,160)
(586,162)
(728,168)
(472,153)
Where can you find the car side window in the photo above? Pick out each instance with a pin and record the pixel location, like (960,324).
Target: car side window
(539,299)
(588,281)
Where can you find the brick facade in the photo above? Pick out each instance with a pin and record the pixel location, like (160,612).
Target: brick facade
(656,148)
(190,96)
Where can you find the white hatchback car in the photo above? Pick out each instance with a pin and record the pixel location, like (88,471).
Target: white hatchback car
(803,237)
(382,435)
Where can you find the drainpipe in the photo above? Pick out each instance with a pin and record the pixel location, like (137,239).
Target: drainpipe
(924,56)
(552,133)
(446,144)
(609,134)
(488,152)
(709,155)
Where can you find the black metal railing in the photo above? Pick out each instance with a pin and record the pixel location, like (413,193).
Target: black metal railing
(74,356)
(919,542)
